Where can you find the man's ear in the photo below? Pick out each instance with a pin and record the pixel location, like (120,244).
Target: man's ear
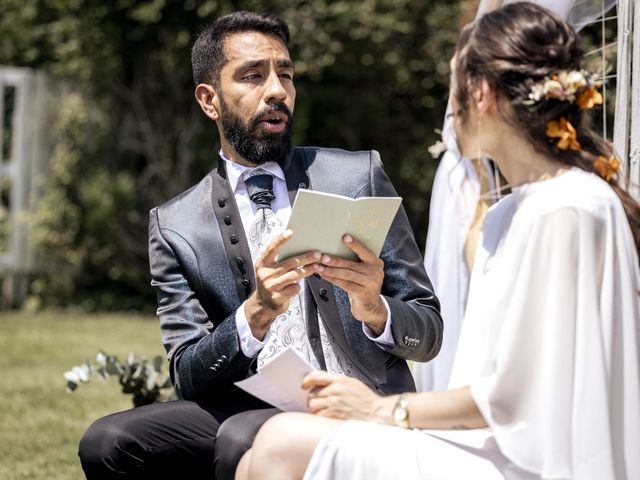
(208,100)
(485,97)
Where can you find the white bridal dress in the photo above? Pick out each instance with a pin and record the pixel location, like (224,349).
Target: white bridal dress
(454,198)
(550,347)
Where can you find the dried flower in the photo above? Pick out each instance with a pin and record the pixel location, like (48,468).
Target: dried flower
(437,149)
(567,86)
(607,167)
(564,132)
(589,98)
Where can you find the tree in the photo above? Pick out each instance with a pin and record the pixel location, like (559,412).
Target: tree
(128,134)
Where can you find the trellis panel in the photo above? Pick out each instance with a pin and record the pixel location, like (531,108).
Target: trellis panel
(626,136)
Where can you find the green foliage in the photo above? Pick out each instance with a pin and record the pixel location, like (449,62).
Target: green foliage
(137,377)
(86,223)
(129,135)
(377,77)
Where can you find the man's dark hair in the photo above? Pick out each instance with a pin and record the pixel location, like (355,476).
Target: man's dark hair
(207,54)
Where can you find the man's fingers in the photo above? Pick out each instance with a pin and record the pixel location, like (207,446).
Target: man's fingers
(298,261)
(271,251)
(360,249)
(338,262)
(277,282)
(349,287)
(343,275)
(367,258)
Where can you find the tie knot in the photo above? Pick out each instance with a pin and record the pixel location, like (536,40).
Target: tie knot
(259,185)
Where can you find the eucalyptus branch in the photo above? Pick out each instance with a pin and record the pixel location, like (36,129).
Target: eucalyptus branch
(137,377)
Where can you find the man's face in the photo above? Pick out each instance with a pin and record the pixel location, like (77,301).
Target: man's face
(256,97)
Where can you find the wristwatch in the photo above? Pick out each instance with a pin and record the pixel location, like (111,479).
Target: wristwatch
(401,411)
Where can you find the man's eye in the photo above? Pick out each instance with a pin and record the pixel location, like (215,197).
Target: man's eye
(287,76)
(251,76)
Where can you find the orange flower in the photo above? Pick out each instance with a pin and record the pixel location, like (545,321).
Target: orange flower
(607,167)
(564,132)
(589,98)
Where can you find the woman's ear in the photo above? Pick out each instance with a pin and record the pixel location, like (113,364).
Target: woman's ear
(207,98)
(485,97)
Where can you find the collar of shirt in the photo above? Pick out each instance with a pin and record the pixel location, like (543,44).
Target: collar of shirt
(280,205)
(235,172)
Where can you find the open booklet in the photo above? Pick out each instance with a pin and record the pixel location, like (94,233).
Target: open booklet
(319,221)
(278,382)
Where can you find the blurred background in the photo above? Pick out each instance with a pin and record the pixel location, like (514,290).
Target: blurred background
(98,124)
(120,131)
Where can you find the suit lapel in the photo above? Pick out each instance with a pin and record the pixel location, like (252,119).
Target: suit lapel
(295,173)
(234,239)
(229,221)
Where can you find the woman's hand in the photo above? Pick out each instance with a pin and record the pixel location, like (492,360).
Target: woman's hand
(345,398)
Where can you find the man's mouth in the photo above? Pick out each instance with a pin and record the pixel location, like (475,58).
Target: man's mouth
(274,122)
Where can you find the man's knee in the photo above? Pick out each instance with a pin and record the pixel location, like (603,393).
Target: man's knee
(153,441)
(235,437)
(233,440)
(107,447)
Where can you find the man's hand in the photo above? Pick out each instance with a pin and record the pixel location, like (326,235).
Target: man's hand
(345,398)
(276,284)
(362,280)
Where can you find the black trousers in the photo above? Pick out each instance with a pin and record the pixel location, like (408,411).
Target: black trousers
(172,440)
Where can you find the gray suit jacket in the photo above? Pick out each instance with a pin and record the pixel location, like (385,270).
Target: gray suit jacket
(201,267)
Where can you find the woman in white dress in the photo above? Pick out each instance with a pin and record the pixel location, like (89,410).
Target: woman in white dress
(546,381)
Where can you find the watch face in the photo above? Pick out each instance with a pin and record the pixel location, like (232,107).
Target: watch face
(400,414)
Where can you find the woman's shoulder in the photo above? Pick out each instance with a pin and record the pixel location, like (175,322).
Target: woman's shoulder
(573,195)
(576,190)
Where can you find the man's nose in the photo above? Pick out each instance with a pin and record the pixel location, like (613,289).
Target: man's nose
(274,90)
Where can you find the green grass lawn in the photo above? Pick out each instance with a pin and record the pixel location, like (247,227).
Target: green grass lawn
(41,424)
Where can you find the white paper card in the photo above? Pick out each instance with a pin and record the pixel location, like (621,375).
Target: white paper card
(279,382)
(320,220)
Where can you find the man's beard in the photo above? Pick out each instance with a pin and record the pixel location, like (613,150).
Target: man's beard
(253,147)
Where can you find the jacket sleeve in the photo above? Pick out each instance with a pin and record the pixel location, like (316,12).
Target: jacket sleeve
(416,322)
(203,351)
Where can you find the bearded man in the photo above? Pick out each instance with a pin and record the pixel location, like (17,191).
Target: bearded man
(225,302)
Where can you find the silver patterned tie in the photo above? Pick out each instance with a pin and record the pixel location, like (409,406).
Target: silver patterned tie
(265,224)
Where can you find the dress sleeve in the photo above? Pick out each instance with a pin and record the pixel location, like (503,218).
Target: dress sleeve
(549,396)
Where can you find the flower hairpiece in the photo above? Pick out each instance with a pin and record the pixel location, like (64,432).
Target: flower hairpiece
(607,167)
(567,137)
(565,133)
(571,86)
